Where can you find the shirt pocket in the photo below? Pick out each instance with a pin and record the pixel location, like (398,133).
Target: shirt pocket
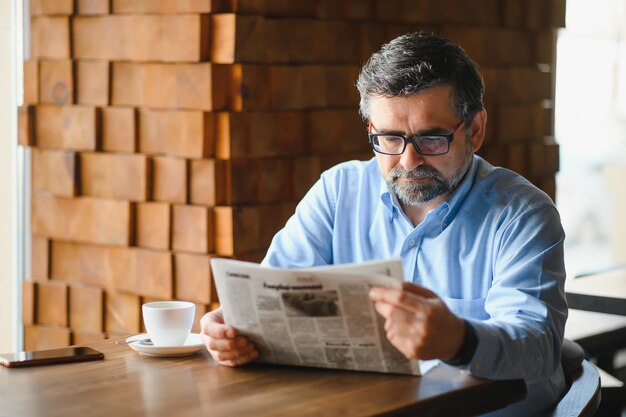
(467,308)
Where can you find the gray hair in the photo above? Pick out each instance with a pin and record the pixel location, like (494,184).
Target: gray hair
(415,62)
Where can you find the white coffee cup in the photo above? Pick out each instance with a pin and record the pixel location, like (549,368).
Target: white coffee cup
(168,322)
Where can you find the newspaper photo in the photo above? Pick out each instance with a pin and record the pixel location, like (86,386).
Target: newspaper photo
(320,317)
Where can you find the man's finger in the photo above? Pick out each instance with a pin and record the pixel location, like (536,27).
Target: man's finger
(418,290)
(400,298)
(224,345)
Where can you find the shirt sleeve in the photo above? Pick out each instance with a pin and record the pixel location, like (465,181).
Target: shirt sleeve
(526,303)
(306,240)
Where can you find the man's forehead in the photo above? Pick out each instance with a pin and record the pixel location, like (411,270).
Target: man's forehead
(435,102)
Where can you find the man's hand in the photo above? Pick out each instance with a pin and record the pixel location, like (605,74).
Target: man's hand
(418,323)
(223,343)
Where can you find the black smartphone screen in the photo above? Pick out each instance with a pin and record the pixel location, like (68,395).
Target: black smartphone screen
(49,357)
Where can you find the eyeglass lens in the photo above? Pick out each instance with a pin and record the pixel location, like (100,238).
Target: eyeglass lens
(427,145)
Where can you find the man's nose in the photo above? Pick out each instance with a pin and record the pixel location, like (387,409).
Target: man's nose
(410,159)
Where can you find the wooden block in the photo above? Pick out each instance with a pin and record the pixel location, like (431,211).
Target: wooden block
(237,38)
(43,337)
(90,220)
(495,154)
(517,158)
(169,38)
(542,122)
(93,7)
(153,225)
(241,179)
(557,13)
(162,6)
(192,229)
(371,37)
(52,303)
(335,131)
(306,171)
(537,15)
(31,81)
(344,35)
(330,9)
(79,263)
(274,180)
(90,264)
(39,258)
(512,14)
(56,82)
(340,90)
(67,127)
(360,9)
(390,10)
(232,134)
(277,34)
(237,230)
(548,186)
(115,176)
(249,87)
(26,125)
(184,133)
(119,129)
(544,159)
(86,309)
(480,12)
(181,86)
(193,278)
(123,313)
(524,85)
(263,134)
(284,8)
(50,37)
(86,338)
(274,216)
(129,270)
(55,171)
(169,180)
(206,183)
(29,302)
(292,86)
(291,133)
(92,82)
(154,274)
(51,7)
(514,123)
(544,47)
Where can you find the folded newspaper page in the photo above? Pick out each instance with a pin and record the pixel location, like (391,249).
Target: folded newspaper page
(320,317)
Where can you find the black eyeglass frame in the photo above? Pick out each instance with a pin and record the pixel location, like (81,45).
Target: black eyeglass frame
(449,137)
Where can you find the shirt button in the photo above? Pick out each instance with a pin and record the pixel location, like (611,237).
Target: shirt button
(412,242)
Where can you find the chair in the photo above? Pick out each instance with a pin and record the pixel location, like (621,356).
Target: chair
(582,397)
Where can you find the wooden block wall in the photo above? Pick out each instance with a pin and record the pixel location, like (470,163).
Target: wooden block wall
(165,133)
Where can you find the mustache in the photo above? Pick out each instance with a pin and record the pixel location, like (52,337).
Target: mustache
(418,173)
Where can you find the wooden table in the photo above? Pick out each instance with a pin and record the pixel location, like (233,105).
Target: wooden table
(129,384)
(603,292)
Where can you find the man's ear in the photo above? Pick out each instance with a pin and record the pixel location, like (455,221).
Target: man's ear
(477,130)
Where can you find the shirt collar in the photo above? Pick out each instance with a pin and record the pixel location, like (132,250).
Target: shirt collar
(447,208)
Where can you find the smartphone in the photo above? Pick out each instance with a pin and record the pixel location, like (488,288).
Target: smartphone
(50,357)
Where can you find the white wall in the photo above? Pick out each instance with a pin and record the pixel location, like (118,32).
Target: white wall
(8,219)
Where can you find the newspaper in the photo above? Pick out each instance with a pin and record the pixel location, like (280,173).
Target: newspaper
(320,317)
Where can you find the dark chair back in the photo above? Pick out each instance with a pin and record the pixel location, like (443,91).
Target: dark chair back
(582,397)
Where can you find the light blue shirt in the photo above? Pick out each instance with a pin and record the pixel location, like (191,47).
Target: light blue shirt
(493,251)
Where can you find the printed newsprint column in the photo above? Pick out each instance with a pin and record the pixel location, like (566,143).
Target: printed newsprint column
(320,317)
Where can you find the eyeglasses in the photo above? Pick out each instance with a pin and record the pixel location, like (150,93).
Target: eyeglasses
(427,145)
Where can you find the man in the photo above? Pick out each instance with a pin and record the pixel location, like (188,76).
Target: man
(482,248)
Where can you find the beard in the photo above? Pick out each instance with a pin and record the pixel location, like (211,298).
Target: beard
(432,183)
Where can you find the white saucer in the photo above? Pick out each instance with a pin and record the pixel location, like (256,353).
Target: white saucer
(141,343)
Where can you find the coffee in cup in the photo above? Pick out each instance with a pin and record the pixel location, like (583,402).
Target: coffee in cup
(168,322)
